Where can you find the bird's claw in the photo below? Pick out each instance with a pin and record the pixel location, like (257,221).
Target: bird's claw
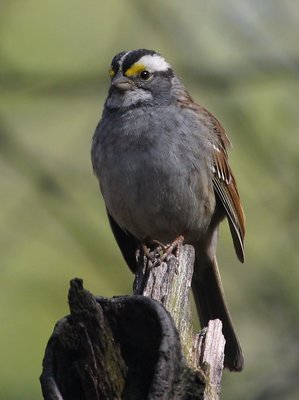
(161,252)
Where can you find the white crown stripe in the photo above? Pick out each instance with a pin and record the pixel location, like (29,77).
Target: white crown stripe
(120,63)
(154,63)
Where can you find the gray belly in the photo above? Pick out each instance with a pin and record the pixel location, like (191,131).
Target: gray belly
(158,197)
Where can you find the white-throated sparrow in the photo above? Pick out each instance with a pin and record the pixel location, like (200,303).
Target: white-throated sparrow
(162,163)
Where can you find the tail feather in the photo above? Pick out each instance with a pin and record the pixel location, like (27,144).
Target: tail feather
(210,303)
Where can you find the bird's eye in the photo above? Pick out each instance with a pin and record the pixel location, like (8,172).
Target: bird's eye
(145,75)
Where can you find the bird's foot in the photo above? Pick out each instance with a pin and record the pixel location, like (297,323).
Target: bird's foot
(160,252)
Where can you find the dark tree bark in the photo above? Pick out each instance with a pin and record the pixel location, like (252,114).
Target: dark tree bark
(135,347)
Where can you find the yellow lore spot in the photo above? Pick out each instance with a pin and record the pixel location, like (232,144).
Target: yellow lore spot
(135,69)
(111,72)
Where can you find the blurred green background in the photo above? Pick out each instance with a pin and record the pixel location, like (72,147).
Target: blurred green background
(240,59)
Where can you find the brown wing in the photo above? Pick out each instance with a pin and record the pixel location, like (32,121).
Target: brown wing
(226,188)
(229,197)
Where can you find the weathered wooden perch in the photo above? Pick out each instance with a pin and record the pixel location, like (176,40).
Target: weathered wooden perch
(170,284)
(131,347)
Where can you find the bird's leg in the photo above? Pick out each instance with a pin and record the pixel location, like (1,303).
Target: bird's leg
(159,244)
(146,252)
(151,249)
(176,245)
(162,250)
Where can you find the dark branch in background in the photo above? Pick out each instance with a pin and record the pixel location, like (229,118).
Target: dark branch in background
(47,84)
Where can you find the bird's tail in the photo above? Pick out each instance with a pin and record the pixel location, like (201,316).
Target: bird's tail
(210,303)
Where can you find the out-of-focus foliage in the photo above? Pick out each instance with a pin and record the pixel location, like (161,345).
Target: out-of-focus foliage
(240,60)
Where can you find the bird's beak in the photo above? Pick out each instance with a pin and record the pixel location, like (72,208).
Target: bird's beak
(122,83)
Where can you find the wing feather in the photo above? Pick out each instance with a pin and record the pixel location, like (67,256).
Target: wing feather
(224,182)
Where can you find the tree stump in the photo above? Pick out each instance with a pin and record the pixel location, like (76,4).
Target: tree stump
(135,347)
